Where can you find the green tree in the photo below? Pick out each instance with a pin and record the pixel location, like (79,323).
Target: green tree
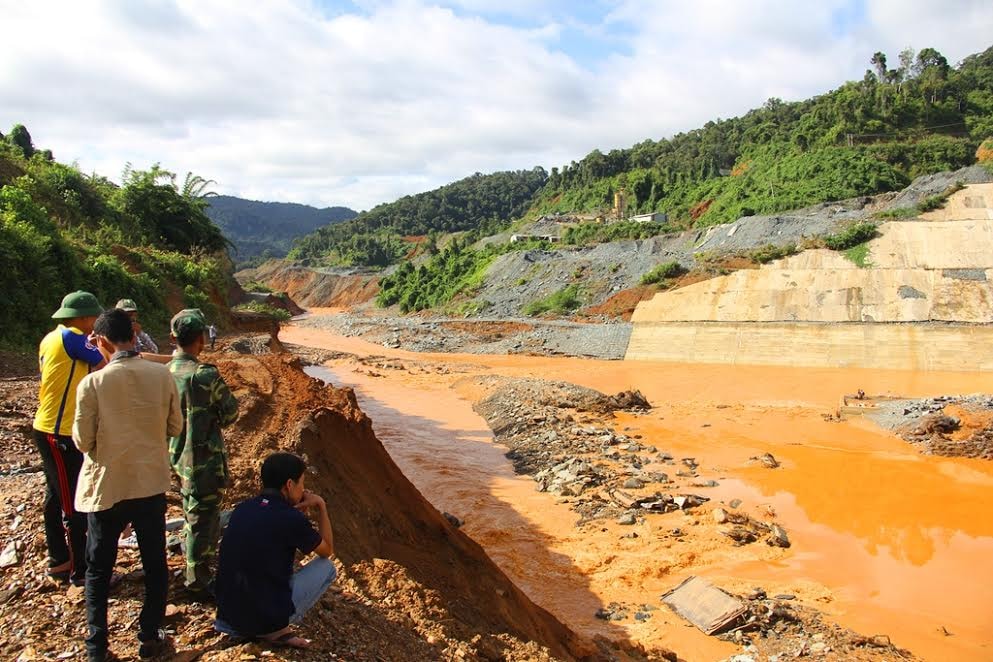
(20,138)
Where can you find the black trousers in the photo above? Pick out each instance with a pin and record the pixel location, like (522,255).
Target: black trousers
(61,461)
(147,516)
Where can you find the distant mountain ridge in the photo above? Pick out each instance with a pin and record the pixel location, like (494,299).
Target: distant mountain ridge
(268,229)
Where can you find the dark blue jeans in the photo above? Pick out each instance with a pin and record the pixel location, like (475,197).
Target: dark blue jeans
(147,516)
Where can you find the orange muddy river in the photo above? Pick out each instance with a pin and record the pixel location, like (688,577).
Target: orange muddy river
(885,540)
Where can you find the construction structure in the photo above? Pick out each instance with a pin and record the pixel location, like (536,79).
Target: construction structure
(921,298)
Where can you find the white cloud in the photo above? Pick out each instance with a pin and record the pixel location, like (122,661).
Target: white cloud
(284,100)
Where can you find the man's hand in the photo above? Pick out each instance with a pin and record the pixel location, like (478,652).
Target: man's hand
(311,501)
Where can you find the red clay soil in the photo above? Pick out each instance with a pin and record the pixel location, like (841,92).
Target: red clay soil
(622,304)
(489,330)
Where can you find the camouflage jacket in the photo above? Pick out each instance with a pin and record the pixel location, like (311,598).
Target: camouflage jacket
(197,455)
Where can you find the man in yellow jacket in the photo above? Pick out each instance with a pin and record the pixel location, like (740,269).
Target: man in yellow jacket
(124,414)
(65,356)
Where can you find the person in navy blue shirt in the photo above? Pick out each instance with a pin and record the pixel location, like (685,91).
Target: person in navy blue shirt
(258,594)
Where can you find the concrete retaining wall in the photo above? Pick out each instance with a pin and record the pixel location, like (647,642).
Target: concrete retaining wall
(889,346)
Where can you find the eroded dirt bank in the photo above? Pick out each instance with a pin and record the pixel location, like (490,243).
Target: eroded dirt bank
(413,587)
(884,539)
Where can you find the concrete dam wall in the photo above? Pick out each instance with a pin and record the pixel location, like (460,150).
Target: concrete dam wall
(923,300)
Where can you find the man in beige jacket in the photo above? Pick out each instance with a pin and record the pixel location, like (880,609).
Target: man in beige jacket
(124,413)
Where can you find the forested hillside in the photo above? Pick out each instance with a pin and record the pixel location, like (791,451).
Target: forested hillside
(376,238)
(874,135)
(268,229)
(917,116)
(148,239)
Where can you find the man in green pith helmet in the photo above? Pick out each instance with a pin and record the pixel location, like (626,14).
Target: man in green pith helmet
(65,356)
(197,454)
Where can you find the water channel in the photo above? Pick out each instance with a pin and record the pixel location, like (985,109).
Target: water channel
(885,540)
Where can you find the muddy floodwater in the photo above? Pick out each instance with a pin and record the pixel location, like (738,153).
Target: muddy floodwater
(885,540)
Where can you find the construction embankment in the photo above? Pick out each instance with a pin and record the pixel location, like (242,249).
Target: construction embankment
(921,298)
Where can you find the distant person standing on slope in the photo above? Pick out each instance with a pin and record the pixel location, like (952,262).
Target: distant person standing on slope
(143,342)
(65,356)
(197,453)
(212,333)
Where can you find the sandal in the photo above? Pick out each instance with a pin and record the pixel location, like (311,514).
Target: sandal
(287,640)
(60,573)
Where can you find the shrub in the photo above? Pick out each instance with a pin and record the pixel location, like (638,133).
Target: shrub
(853,235)
(662,272)
(770,252)
(265,309)
(559,303)
(256,286)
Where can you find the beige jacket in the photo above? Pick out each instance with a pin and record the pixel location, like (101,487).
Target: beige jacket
(124,414)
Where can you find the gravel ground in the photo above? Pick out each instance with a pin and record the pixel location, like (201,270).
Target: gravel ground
(481,336)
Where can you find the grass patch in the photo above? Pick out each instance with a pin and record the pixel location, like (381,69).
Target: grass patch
(933,202)
(561,302)
(859,255)
(898,213)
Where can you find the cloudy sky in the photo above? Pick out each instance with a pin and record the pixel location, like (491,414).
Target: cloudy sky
(329,102)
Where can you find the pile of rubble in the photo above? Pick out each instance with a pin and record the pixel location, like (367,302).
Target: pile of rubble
(777,628)
(945,425)
(559,434)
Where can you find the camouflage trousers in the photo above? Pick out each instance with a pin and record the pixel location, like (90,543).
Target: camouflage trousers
(202,530)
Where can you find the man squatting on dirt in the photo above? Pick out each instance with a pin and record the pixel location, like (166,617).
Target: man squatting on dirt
(258,594)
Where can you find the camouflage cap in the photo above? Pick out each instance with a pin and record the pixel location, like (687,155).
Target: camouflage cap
(78,304)
(188,320)
(127,305)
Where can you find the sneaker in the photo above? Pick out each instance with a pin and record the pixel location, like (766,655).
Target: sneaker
(153,647)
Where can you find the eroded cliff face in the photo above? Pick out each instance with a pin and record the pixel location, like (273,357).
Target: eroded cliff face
(314,288)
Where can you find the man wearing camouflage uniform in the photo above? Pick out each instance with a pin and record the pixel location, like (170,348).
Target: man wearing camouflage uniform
(197,454)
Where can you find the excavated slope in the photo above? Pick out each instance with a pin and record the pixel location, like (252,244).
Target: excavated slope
(376,512)
(313,288)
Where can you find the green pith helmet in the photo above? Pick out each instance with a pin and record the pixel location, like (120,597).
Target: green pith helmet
(127,305)
(78,304)
(190,319)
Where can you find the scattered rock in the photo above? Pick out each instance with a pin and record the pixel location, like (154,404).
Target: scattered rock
(9,556)
(777,537)
(452,519)
(766,460)
(627,519)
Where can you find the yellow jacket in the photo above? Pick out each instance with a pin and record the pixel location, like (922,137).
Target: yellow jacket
(124,414)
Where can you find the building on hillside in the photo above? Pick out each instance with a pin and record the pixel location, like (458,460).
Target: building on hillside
(525,236)
(654,217)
